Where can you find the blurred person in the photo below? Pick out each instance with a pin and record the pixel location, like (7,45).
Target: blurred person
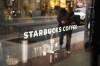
(64,19)
(30,13)
(57,8)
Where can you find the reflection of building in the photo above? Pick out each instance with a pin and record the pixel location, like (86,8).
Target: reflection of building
(42,6)
(34,7)
(22,7)
(27,6)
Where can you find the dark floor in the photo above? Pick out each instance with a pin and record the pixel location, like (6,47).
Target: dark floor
(78,58)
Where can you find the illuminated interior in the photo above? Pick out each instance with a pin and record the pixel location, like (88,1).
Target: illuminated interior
(61,3)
